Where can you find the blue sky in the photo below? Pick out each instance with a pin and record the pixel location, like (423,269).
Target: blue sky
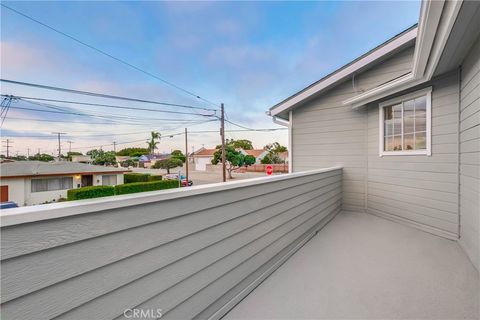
(248,55)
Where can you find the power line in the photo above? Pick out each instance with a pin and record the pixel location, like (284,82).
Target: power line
(104,105)
(109,55)
(102,95)
(87,115)
(88,122)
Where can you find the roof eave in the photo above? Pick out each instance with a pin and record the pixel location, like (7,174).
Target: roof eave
(363,62)
(436,22)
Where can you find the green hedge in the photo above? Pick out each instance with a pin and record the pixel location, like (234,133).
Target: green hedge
(154,178)
(139,177)
(90,192)
(145,186)
(135,177)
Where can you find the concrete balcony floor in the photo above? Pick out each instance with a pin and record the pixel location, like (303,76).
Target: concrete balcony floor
(364,267)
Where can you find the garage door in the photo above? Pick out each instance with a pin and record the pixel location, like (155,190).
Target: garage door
(3,193)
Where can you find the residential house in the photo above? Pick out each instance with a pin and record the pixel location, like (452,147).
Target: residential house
(82,158)
(259,154)
(36,182)
(201,158)
(403,121)
(312,244)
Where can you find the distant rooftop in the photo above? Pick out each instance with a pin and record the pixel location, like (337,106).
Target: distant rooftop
(39,168)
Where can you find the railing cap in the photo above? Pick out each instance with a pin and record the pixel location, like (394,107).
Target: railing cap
(41,212)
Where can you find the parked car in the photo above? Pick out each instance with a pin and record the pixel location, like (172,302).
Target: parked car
(8,205)
(174,176)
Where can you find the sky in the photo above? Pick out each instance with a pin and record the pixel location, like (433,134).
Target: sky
(247,55)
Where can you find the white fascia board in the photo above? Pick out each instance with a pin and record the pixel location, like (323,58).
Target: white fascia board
(280,121)
(436,24)
(346,72)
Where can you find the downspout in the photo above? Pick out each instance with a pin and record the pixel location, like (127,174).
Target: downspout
(290,141)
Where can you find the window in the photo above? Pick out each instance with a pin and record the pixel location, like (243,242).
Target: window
(52,184)
(109,179)
(405,124)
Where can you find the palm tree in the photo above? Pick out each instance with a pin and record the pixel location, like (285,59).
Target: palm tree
(152,144)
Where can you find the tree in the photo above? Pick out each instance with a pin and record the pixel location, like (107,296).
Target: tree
(242,143)
(168,164)
(275,148)
(128,163)
(42,157)
(133,152)
(152,144)
(233,159)
(101,157)
(273,156)
(177,154)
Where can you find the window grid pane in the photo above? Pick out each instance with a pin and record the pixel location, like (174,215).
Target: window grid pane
(405,125)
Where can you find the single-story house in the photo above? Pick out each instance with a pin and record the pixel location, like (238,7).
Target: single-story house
(82,158)
(201,158)
(37,182)
(403,120)
(259,154)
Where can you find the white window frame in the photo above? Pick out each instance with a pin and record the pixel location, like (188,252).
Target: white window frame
(427,92)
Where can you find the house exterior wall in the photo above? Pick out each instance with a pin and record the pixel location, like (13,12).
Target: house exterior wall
(201,163)
(470,155)
(16,190)
(20,189)
(326,133)
(417,189)
(192,252)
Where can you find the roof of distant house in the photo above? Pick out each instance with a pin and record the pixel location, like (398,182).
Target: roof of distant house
(255,152)
(204,152)
(39,168)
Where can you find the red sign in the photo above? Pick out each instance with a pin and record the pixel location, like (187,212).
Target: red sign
(269,170)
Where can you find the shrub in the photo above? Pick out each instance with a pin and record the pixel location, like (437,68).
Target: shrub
(145,186)
(139,177)
(154,178)
(90,192)
(135,177)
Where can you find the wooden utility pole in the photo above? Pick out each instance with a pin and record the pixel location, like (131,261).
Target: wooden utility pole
(115,147)
(59,144)
(186,156)
(8,146)
(69,146)
(222,133)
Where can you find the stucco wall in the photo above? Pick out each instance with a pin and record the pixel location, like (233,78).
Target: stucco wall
(16,190)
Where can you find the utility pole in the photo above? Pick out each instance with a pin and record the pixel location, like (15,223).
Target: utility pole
(69,146)
(115,147)
(186,155)
(59,144)
(222,133)
(8,146)
(28,154)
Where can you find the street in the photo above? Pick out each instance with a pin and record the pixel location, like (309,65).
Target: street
(203,177)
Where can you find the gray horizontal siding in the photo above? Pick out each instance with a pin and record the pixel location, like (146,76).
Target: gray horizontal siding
(470,155)
(420,190)
(326,133)
(187,256)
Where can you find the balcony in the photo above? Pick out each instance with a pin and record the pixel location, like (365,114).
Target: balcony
(197,252)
